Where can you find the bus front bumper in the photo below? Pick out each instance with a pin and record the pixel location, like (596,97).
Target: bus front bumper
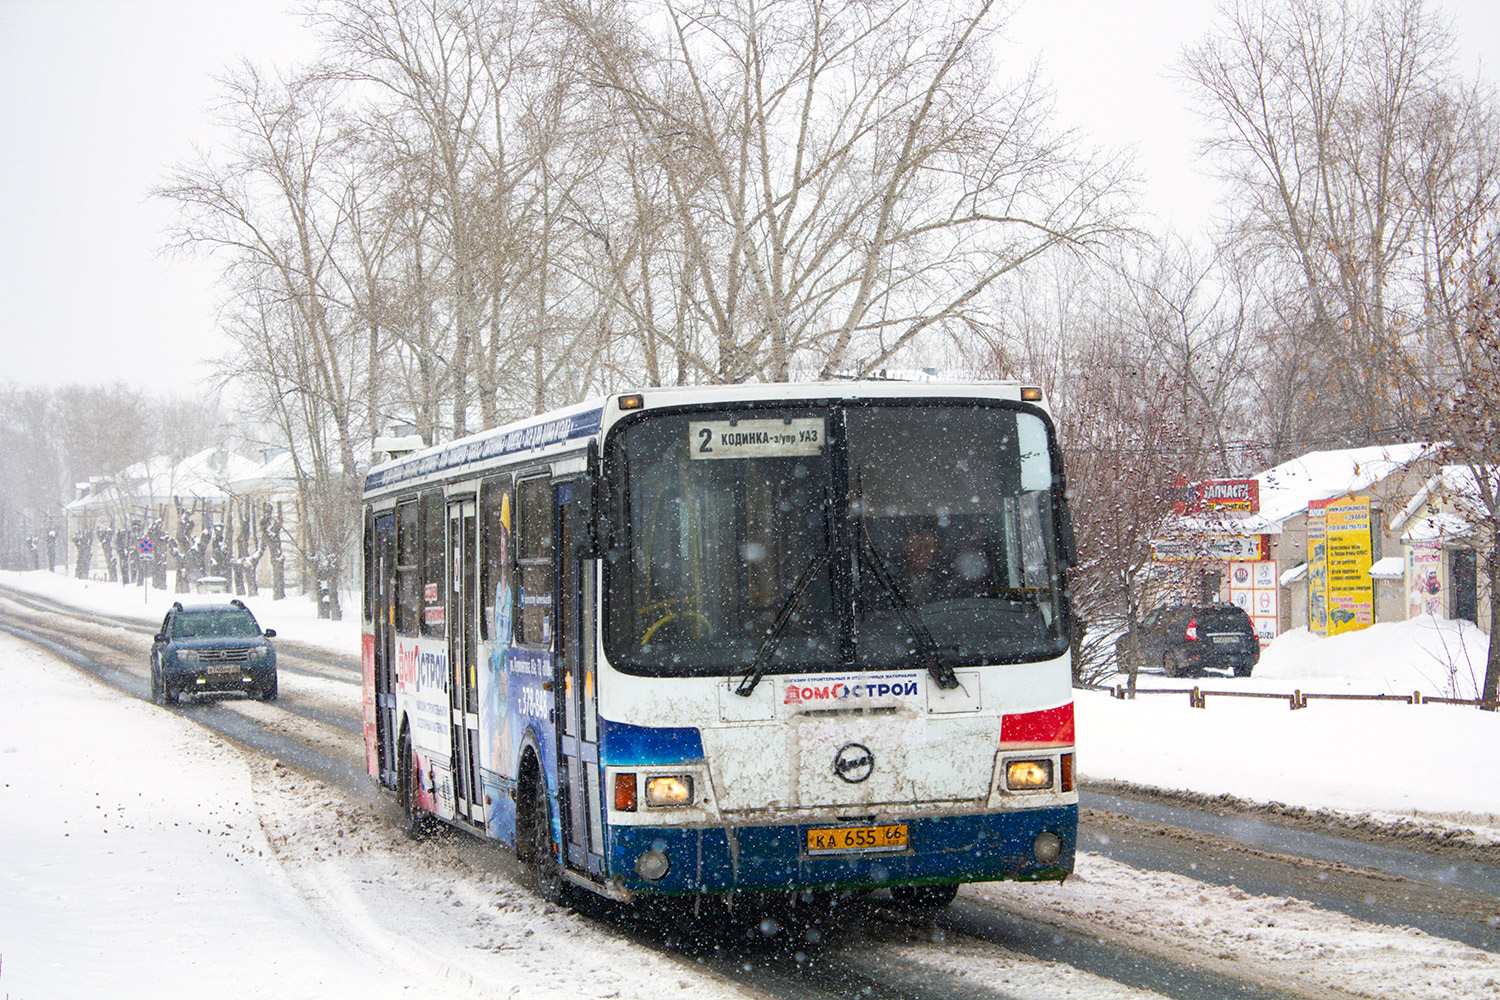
(973,848)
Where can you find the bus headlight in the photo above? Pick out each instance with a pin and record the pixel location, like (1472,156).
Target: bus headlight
(669,790)
(1028,775)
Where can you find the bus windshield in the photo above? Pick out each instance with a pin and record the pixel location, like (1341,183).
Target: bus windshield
(868,536)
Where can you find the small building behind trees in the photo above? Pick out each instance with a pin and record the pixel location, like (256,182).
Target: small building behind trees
(1332,541)
(1445,534)
(214,521)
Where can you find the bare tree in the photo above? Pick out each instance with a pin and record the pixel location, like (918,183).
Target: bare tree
(1133,421)
(1319,111)
(1463,397)
(1191,312)
(838,179)
(275,210)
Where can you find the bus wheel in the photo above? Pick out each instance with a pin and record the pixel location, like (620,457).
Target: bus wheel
(406,783)
(923,897)
(534,840)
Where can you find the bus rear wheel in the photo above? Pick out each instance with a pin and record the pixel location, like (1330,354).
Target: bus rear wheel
(416,822)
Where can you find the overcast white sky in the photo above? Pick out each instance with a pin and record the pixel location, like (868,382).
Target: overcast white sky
(99,97)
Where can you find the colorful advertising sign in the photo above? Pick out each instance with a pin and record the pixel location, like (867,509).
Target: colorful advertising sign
(1317,567)
(1229,494)
(1211,548)
(1351,592)
(1424,579)
(1254,587)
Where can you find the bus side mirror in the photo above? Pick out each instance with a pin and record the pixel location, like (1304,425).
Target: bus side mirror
(593,505)
(586,544)
(1067,542)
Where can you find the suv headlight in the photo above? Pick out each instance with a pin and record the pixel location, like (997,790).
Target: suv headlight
(187,655)
(259,653)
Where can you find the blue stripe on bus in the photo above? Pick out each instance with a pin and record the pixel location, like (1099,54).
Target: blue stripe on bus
(771,858)
(622,744)
(502,441)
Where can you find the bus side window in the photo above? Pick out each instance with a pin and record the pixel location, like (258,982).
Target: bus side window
(408,568)
(496,586)
(534,615)
(368,550)
(434,593)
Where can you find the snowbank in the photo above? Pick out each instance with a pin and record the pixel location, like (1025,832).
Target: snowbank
(1438,657)
(1386,758)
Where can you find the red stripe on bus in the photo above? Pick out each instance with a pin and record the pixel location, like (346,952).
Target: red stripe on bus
(1052,725)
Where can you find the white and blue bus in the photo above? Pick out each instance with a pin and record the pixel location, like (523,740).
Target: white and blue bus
(727,639)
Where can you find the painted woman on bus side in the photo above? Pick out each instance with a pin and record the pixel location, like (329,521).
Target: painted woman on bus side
(496,718)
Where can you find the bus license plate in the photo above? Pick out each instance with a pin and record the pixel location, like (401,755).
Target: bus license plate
(857,839)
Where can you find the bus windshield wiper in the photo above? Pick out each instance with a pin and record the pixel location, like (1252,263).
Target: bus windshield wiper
(927,647)
(757,668)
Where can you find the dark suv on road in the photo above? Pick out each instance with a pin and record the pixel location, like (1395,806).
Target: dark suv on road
(212,649)
(1185,639)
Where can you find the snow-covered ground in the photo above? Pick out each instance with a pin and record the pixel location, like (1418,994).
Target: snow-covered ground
(1426,763)
(142,856)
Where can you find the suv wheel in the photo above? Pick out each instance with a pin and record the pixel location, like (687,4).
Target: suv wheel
(158,692)
(1174,664)
(268,693)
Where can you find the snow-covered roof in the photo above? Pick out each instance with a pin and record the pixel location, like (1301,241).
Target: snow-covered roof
(206,476)
(1453,486)
(1437,527)
(211,474)
(276,472)
(1288,488)
(1233,524)
(1294,574)
(1389,568)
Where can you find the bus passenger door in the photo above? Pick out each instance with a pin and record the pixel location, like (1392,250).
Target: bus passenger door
(463,661)
(583,830)
(384,553)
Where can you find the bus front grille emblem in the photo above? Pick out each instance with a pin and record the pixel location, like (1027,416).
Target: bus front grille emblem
(853,763)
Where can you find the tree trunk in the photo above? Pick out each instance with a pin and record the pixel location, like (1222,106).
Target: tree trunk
(1491,690)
